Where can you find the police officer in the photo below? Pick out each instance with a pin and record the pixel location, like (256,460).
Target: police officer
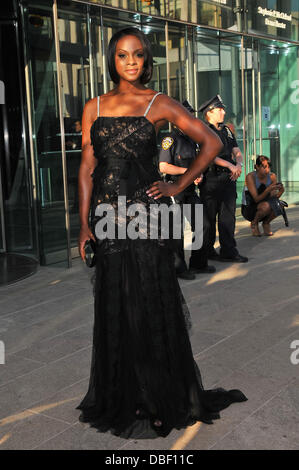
(176,154)
(218,189)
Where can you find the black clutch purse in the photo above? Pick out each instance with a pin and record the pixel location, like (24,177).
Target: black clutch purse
(90,248)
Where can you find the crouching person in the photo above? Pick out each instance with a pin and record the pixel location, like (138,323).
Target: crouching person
(261,197)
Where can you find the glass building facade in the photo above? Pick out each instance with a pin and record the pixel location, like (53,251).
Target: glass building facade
(56,61)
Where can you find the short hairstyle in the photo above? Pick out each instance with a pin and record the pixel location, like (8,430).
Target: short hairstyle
(148,56)
(262,158)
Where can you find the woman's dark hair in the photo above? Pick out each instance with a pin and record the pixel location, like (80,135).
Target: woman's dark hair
(148,57)
(262,158)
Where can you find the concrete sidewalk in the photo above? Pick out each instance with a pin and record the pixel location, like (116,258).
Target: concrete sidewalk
(245,318)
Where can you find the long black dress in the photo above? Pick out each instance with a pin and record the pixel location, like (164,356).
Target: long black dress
(142,364)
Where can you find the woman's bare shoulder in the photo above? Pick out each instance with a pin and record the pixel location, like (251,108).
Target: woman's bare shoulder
(165,99)
(250,176)
(90,108)
(165,105)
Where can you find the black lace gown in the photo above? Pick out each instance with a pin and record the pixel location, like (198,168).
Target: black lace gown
(142,364)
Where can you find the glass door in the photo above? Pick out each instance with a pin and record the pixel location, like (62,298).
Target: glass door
(268,133)
(219,71)
(45,132)
(288,61)
(17,223)
(272,118)
(77,87)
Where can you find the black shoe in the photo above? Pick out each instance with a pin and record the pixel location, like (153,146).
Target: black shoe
(204,269)
(214,255)
(186,275)
(234,259)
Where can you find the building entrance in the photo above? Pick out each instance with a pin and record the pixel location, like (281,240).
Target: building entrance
(272,97)
(18,246)
(65,48)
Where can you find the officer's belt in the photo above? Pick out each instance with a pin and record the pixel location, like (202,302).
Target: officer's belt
(217,170)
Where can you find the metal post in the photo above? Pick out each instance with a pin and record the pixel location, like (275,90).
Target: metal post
(32,136)
(90,50)
(27,170)
(195,74)
(238,10)
(104,60)
(219,64)
(253,102)
(189,55)
(167,64)
(243,104)
(63,154)
(82,74)
(2,215)
(187,67)
(259,96)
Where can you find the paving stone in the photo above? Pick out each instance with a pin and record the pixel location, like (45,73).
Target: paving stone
(15,367)
(154,444)
(274,426)
(41,300)
(81,437)
(56,347)
(26,433)
(202,340)
(29,389)
(62,405)
(46,323)
(254,340)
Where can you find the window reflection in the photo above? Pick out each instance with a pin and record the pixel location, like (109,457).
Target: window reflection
(275,18)
(177,63)
(202,63)
(217,13)
(76,89)
(156,36)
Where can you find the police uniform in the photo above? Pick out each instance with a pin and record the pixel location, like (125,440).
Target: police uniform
(218,193)
(179,150)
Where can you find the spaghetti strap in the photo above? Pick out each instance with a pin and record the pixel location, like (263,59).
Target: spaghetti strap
(98,106)
(153,99)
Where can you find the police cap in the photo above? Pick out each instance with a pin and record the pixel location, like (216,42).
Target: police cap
(215,102)
(188,106)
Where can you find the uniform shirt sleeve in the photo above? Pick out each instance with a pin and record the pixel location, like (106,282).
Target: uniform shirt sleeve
(232,138)
(167,148)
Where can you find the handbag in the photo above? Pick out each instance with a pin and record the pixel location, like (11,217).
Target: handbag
(90,248)
(283,205)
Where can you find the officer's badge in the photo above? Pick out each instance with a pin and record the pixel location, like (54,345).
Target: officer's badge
(167,143)
(229,132)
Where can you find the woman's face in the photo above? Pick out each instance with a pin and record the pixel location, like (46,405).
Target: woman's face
(129,58)
(264,168)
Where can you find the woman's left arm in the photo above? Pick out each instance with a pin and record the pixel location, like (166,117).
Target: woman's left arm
(281,188)
(210,144)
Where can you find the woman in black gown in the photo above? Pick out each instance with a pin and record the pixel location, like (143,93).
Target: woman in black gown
(143,375)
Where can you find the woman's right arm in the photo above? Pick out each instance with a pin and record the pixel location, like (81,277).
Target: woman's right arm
(210,144)
(87,166)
